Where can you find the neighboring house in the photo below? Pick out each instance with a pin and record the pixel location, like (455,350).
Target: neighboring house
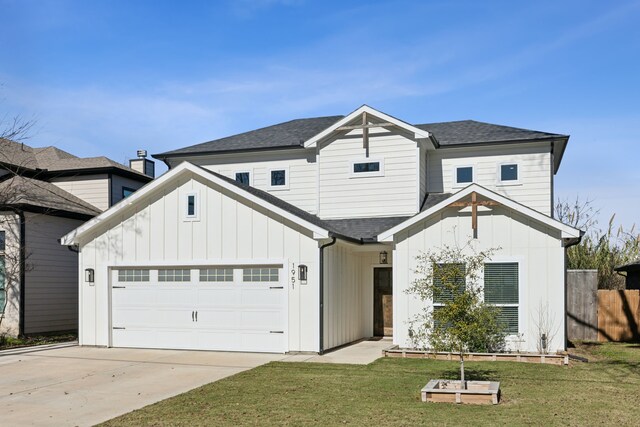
(631,274)
(303,236)
(44,194)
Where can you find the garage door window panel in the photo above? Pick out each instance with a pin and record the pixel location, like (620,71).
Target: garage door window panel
(216,274)
(133,275)
(174,275)
(261,274)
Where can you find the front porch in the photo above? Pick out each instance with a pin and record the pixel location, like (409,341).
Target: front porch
(358,293)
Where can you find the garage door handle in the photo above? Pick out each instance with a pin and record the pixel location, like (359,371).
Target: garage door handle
(276,287)
(276,332)
(118,327)
(193,314)
(119,287)
(196,316)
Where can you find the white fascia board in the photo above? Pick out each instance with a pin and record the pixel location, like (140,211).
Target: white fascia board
(418,133)
(566,230)
(184,167)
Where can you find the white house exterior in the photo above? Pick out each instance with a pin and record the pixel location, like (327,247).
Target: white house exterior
(303,236)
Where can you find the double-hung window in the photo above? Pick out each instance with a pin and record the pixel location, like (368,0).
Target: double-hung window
(447,279)
(501,289)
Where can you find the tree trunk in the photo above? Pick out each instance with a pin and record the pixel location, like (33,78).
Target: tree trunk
(463,384)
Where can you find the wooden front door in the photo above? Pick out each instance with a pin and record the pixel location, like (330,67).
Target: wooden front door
(382,302)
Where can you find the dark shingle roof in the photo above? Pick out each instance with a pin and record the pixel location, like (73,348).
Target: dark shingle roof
(22,191)
(284,135)
(360,229)
(471,132)
(294,133)
(433,199)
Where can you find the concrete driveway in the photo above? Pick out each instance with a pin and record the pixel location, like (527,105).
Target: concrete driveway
(79,386)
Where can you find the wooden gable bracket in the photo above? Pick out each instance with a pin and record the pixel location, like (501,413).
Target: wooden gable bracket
(474,203)
(365,130)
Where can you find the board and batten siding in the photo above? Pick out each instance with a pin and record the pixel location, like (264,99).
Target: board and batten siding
(537,249)
(51,279)
(230,231)
(302,190)
(92,189)
(120,182)
(534,168)
(345,195)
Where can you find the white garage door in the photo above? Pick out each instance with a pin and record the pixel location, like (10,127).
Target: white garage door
(210,308)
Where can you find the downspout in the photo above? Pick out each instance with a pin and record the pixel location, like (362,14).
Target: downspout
(321,286)
(566,291)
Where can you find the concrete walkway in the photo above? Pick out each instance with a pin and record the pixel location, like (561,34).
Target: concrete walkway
(79,386)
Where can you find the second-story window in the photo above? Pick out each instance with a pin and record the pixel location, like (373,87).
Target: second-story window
(243,178)
(367,167)
(279,178)
(464,175)
(191,206)
(126,192)
(509,173)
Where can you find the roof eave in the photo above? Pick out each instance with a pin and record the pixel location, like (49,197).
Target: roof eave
(167,155)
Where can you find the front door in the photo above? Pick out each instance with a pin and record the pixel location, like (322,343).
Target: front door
(382,302)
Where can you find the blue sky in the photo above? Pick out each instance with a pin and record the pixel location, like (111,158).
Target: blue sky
(108,77)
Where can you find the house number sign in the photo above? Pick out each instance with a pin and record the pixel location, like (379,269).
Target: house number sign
(293,275)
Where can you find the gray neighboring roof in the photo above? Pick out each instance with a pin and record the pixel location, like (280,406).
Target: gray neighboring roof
(291,134)
(359,229)
(632,266)
(433,199)
(472,132)
(53,159)
(22,191)
(294,133)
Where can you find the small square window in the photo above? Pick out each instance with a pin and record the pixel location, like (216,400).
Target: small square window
(509,172)
(464,175)
(278,178)
(243,178)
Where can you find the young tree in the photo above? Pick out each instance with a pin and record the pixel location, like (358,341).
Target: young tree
(461,321)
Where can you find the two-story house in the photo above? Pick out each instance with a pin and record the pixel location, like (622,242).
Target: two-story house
(303,236)
(45,193)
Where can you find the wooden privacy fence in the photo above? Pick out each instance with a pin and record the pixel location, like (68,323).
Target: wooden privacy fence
(618,315)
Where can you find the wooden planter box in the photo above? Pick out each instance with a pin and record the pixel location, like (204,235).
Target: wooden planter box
(550,359)
(449,391)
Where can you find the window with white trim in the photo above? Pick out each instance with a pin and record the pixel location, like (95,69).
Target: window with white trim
(367,167)
(509,173)
(501,289)
(463,175)
(191,206)
(261,274)
(216,274)
(278,178)
(243,177)
(443,292)
(133,275)
(174,275)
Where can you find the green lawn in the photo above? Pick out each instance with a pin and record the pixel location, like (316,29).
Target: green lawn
(387,392)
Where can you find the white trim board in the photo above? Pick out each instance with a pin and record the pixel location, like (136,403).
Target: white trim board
(567,231)
(184,168)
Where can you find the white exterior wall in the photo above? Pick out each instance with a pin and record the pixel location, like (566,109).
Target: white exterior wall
(228,232)
(302,190)
(92,189)
(343,195)
(118,182)
(535,170)
(536,248)
(51,290)
(10,319)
